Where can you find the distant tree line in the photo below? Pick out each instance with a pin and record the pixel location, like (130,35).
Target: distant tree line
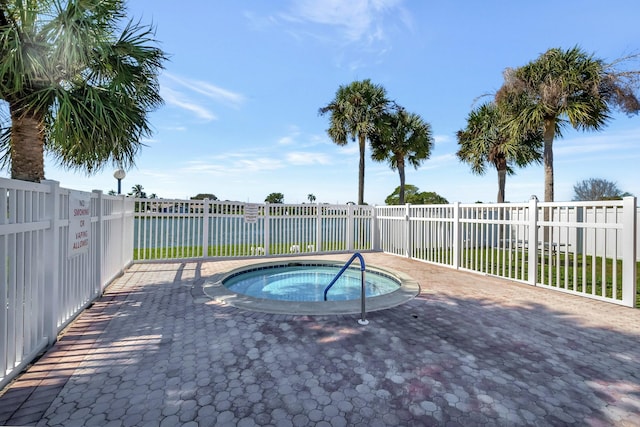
(415,197)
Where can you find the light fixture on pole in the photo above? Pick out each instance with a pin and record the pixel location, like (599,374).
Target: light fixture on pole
(119,175)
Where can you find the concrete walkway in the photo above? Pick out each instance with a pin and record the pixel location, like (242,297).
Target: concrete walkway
(469,350)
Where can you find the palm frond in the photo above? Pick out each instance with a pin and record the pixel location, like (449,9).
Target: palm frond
(91,79)
(402,136)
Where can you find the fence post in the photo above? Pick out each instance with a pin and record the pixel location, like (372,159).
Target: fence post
(579,230)
(629,272)
(457,240)
(98,276)
(123,229)
(375,229)
(350,231)
(532,245)
(407,231)
(267,228)
(52,263)
(318,228)
(205,228)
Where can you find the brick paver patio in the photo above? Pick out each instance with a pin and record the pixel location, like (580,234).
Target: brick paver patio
(469,350)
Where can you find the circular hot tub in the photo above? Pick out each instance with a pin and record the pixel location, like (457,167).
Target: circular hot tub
(298,288)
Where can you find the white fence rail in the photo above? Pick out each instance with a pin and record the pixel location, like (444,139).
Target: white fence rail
(45,281)
(584,248)
(170,229)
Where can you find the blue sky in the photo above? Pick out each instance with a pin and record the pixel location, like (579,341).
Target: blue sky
(245,81)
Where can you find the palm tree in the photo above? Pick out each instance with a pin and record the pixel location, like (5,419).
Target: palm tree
(567,87)
(355,113)
(485,141)
(311,198)
(403,138)
(138,192)
(77,85)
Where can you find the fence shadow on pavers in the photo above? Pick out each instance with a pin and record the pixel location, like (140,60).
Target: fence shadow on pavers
(476,361)
(164,356)
(444,359)
(26,399)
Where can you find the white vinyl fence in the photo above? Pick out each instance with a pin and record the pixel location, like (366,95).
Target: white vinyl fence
(59,249)
(170,229)
(584,248)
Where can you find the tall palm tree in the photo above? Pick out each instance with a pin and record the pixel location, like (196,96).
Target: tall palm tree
(355,113)
(402,138)
(78,85)
(567,87)
(485,141)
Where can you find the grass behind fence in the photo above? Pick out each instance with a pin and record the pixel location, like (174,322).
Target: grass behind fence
(578,273)
(238,250)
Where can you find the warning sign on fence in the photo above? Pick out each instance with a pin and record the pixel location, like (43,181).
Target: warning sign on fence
(250,213)
(79,222)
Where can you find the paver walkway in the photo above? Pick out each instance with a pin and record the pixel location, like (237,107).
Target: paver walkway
(469,350)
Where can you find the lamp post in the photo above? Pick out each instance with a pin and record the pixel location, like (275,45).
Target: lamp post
(119,175)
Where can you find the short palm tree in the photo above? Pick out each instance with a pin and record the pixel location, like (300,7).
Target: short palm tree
(566,87)
(402,138)
(485,141)
(355,113)
(137,191)
(78,85)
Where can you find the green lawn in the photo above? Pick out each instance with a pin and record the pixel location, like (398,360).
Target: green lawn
(576,273)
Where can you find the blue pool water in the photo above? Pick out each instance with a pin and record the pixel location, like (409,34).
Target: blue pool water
(307,283)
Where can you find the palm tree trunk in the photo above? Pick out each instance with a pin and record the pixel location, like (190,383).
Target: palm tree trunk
(402,180)
(501,166)
(502,178)
(361,141)
(549,133)
(27,144)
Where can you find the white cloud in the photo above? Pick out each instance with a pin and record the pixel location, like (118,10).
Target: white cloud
(301,140)
(260,164)
(443,160)
(357,19)
(290,138)
(286,140)
(352,148)
(442,139)
(307,158)
(172,97)
(609,143)
(233,165)
(209,90)
(176,128)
